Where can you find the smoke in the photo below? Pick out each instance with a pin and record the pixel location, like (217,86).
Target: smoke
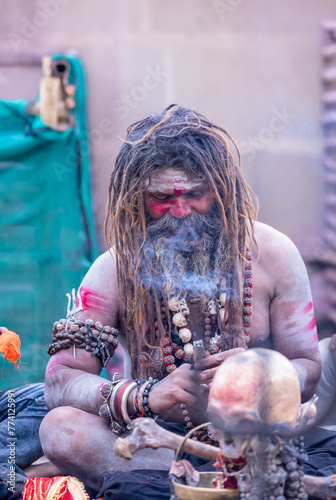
(182,256)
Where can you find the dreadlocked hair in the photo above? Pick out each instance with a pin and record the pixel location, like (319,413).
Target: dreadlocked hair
(177,137)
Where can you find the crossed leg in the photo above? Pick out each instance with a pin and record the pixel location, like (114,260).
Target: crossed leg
(81,444)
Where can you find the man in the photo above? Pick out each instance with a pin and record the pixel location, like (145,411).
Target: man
(180,220)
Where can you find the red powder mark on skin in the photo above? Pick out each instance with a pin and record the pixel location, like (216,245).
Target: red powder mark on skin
(310,326)
(314,339)
(157,209)
(177,192)
(54,365)
(307,308)
(93,300)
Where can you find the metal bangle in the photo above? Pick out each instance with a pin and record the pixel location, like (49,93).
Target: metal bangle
(124,401)
(112,399)
(135,409)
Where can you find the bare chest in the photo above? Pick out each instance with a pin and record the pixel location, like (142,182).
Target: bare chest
(260,332)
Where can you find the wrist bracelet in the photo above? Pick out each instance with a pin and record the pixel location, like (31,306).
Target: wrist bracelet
(116,394)
(106,391)
(124,401)
(135,408)
(118,398)
(107,410)
(116,417)
(145,394)
(138,397)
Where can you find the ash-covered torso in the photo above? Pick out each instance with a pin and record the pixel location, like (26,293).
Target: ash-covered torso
(282,313)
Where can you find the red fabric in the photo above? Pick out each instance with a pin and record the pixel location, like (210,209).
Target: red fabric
(230,465)
(37,488)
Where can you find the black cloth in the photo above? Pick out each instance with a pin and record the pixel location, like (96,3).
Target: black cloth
(320,446)
(140,484)
(145,484)
(136,485)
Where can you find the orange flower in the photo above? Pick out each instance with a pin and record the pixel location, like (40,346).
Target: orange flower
(10,346)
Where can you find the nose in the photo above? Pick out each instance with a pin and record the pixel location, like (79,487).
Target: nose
(180,209)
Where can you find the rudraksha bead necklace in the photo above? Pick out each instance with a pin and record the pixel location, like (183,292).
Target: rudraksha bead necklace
(179,347)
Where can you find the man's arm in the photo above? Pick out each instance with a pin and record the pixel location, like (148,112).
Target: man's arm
(74,381)
(292,321)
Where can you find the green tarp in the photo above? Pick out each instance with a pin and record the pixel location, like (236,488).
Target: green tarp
(47,239)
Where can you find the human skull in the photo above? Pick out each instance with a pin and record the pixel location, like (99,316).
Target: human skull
(253,390)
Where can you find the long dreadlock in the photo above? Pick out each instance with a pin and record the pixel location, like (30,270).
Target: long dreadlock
(177,137)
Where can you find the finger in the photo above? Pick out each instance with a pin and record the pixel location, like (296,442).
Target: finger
(206,376)
(216,359)
(332,345)
(209,362)
(190,385)
(188,399)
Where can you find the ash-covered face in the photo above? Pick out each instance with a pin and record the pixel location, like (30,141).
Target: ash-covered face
(171,191)
(179,208)
(183,225)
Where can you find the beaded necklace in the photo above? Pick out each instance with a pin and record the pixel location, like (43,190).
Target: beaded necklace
(178,348)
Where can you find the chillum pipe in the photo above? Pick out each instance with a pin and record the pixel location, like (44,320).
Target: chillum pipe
(147,434)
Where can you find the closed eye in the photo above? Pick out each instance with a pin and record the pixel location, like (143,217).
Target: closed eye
(161,197)
(195,194)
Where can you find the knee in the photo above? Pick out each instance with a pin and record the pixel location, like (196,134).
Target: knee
(57,432)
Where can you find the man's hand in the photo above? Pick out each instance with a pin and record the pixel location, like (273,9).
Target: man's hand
(206,368)
(332,345)
(178,387)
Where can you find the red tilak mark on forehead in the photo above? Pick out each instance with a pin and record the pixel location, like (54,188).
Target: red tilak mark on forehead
(177,192)
(310,326)
(307,308)
(93,300)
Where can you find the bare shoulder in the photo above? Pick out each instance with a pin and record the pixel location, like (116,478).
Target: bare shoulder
(99,290)
(271,240)
(103,271)
(274,246)
(278,256)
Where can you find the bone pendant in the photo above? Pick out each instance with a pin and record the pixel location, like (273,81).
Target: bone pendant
(212,307)
(184,307)
(222,298)
(174,304)
(185,335)
(179,320)
(188,348)
(222,315)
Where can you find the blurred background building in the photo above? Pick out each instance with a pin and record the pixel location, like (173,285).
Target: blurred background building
(254,67)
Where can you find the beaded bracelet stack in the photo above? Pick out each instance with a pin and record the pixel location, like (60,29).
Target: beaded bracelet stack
(116,393)
(141,397)
(99,340)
